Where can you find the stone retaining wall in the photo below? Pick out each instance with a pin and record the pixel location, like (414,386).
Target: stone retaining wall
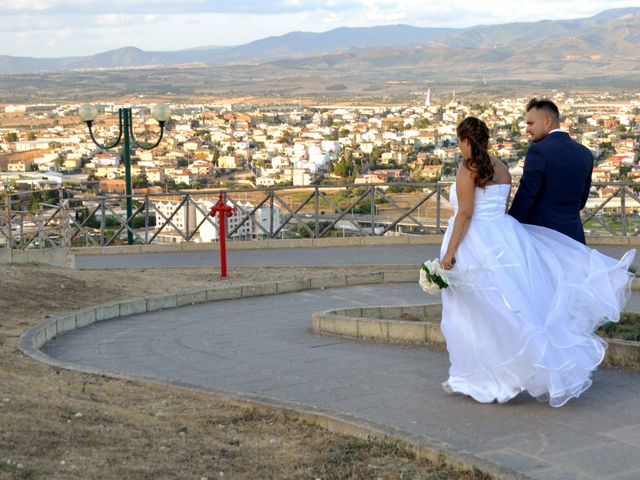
(58,257)
(420,325)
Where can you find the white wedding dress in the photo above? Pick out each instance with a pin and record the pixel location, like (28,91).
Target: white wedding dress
(523,305)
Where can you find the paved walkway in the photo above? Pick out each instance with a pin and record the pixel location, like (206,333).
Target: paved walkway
(374,255)
(262,346)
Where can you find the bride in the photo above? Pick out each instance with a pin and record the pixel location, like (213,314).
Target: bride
(524,301)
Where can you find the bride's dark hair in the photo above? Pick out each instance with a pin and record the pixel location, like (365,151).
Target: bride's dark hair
(477,132)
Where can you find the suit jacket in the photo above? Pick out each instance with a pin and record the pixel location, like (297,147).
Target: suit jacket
(555,185)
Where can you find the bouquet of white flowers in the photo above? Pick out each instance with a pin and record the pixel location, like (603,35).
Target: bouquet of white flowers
(433,277)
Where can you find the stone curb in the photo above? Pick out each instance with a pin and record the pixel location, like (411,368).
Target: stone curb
(434,450)
(62,257)
(263,245)
(386,324)
(435,239)
(42,333)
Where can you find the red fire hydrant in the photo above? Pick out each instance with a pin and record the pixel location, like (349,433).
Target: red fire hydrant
(224,211)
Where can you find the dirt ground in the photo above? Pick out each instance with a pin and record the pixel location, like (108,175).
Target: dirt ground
(59,424)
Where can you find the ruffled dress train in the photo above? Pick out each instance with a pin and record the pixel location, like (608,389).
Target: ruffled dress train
(523,306)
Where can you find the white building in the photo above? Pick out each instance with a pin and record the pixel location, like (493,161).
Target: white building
(300,150)
(265,181)
(227,161)
(247,231)
(184,220)
(15,109)
(145,155)
(302,176)
(187,218)
(331,147)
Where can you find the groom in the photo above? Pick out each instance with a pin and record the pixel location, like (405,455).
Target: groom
(557,175)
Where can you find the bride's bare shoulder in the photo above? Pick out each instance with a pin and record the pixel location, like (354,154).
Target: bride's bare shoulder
(501,174)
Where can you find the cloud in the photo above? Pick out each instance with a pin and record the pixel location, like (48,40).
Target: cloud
(465,13)
(451,12)
(93,7)
(32,27)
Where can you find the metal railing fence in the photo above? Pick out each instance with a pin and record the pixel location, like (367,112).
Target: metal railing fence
(63,217)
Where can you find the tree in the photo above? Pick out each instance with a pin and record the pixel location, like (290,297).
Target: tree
(376,153)
(11,137)
(330,168)
(362,208)
(606,150)
(286,137)
(31,136)
(624,170)
(140,181)
(170,185)
(422,123)
(203,134)
(344,167)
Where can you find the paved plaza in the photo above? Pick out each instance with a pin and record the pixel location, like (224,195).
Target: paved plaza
(262,347)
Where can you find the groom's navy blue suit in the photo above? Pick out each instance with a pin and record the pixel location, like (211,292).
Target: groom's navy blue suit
(555,185)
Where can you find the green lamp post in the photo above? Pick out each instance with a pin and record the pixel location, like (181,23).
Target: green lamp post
(161,112)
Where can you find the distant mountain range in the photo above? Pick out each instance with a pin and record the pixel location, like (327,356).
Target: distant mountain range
(388,63)
(596,45)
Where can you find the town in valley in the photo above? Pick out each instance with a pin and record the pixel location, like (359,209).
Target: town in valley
(248,146)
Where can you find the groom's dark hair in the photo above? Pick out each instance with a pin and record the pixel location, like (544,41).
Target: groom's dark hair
(546,105)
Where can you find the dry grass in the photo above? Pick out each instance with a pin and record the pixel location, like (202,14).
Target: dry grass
(59,424)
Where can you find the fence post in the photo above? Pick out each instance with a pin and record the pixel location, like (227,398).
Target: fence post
(40,227)
(438,193)
(372,199)
(146,219)
(9,222)
(317,206)
(103,222)
(186,215)
(65,221)
(271,205)
(623,216)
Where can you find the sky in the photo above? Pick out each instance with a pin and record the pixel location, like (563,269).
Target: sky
(56,28)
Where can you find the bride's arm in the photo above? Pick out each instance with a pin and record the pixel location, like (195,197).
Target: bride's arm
(465,189)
